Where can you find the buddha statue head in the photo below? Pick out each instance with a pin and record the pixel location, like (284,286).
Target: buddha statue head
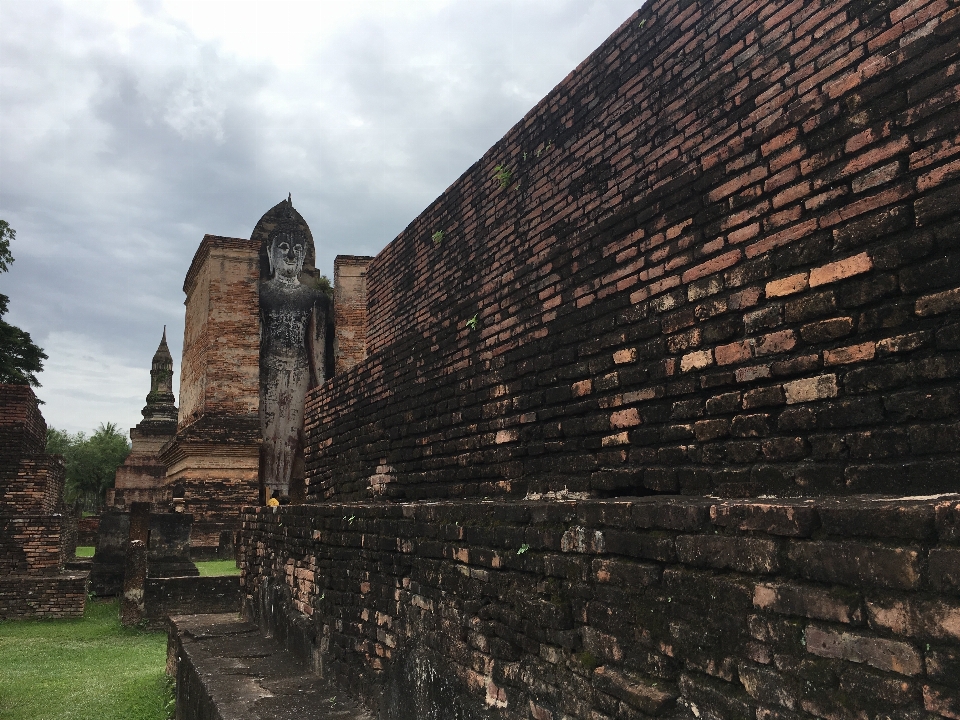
(285,253)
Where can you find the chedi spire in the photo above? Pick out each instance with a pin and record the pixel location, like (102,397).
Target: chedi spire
(161,403)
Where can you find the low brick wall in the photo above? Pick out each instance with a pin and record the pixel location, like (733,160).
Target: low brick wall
(830,608)
(54,596)
(191,595)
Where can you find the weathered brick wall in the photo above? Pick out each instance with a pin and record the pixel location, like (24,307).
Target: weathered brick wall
(22,427)
(349,311)
(212,470)
(24,596)
(34,541)
(30,481)
(725,261)
(167,596)
(220,370)
(34,544)
(37,486)
(621,608)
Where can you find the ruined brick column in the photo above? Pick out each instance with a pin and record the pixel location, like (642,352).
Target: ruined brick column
(213,459)
(134,580)
(37,536)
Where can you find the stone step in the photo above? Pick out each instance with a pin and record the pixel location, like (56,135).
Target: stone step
(226,670)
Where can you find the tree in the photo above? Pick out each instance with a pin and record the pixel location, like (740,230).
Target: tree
(91,463)
(20,358)
(7,234)
(324,285)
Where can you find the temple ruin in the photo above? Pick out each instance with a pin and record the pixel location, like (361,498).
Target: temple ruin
(667,425)
(141,477)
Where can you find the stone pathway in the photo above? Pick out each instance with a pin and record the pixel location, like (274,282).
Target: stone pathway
(227,670)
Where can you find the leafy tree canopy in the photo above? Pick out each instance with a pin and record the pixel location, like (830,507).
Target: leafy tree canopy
(20,358)
(91,463)
(7,234)
(324,285)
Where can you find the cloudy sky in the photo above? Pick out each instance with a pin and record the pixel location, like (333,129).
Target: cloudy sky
(130,129)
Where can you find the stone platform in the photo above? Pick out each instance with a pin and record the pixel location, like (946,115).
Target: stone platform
(226,670)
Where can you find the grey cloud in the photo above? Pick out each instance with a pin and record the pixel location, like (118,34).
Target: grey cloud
(118,153)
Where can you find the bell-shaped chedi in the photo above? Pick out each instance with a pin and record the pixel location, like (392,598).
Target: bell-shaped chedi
(141,477)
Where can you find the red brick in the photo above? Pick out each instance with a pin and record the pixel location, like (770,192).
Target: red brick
(852,210)
(734,352)
(781,238)
(584,387)
(848,267)
(696,360)
(743,234)
(775,342)
(889,655)
(808,601)
(738,183)
(625,418)
(850,354)
(787,286)
(942,701)
(713,265)
(938,176)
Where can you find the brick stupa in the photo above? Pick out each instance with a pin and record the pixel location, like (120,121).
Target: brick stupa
(140,478)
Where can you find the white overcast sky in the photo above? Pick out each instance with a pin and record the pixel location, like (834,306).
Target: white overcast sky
(130,129)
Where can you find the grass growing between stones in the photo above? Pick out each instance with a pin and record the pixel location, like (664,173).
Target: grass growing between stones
(81,669)
(85,551)
(209,568)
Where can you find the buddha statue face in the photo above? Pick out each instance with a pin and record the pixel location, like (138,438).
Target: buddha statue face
(287,252)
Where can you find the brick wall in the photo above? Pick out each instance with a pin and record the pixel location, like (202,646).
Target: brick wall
(42,597)
(22,428)
(30,481)
(35,541)
(37,487)
(725,261)
(220,370)
(213,463)
(35,544)
(349,311)
(620,608)
(167,596)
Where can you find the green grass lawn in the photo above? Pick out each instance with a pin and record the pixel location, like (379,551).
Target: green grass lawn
(90,668)
(206,567)
(217,567)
